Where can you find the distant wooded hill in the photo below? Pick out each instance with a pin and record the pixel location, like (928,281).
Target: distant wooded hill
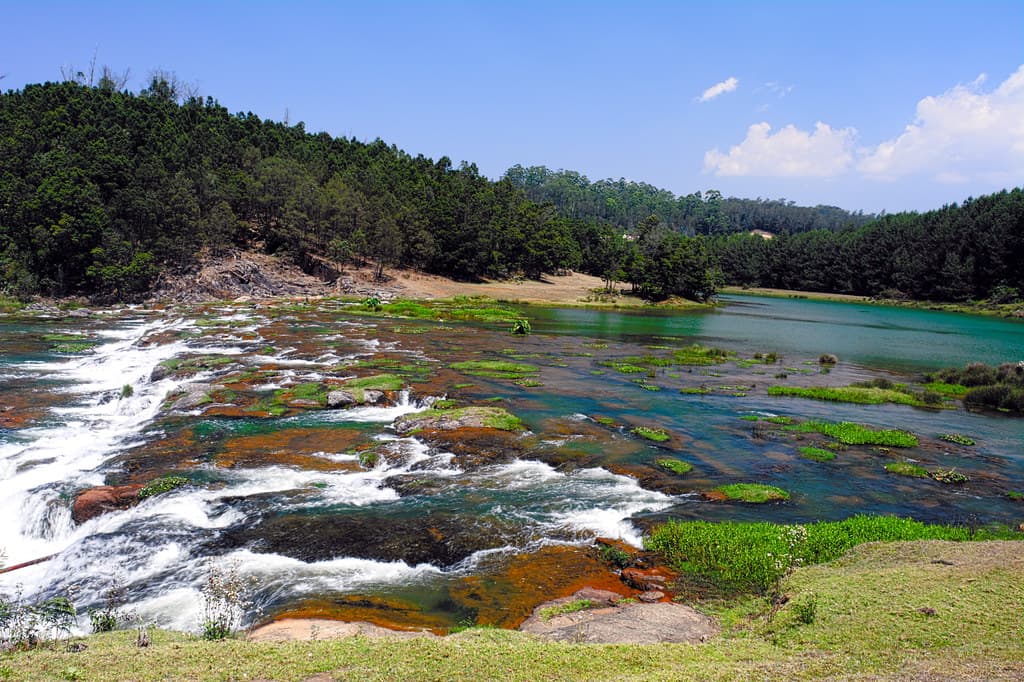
(627,204)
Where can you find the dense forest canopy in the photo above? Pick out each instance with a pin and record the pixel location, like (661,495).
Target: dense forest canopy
(970,251)
(101,190)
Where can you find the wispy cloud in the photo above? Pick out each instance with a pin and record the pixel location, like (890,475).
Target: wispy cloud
(728,85)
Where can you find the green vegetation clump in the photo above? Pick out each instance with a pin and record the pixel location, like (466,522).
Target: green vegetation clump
(994,388)
(162,485)
(750,418)
(949,476)
(817,454)
(957,438)
(851,394)
(907,469)
(615,556)
(607,421)
(496,369)
(368,459)
(521,327)
(739,556)
(858,434)
(700,355)
(490,417)
(754,493)
(1015,495)
(647,433)
(676,466)
(779,419)
(573,606)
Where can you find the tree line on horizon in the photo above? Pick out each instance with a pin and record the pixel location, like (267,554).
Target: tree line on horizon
(102,190)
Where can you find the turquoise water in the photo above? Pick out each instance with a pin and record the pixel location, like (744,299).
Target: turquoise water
(876,336)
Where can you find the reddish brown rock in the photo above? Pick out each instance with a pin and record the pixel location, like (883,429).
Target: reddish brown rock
(106,498)
(646,580)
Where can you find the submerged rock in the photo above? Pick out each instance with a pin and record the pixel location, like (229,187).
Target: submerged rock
(106,498)
(440,539)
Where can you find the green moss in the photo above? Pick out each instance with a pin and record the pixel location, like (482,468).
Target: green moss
(676,466)
(607,421)
(702,390)
(368,459)
(647,433)
(624,367)
(755,493)
(491,417)
(779,419)
(907,469)
(70,348)
(1015,495)
(162,485)
(817,454)
(528,383)
(750,418)
(949,476)
(857,434)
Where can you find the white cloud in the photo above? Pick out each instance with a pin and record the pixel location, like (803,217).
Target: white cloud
(728,85)
(790,152)
(962,134)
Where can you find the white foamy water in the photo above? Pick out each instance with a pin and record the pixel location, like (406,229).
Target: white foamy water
(42,463)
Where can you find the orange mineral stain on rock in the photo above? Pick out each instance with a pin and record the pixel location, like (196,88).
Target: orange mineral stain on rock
(387,612)
(507,595)
(299,447)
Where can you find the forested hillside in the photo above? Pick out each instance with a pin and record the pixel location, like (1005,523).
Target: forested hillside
(627,204)
(100,190)
(970,251)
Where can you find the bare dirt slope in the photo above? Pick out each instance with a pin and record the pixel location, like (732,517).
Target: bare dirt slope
(258,275)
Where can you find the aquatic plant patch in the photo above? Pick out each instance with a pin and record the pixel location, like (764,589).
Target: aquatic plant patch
(957,438)
(652,434)
(858,434)
(676,466)
(496,369)
(700,355)
(816,454)
(753,493)
(162,485)
(847,394)
(907,469)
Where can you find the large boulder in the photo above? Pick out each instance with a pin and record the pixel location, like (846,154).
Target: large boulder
(106,498)
(622,623)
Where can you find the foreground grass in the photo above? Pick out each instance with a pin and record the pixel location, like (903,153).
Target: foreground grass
(921,610)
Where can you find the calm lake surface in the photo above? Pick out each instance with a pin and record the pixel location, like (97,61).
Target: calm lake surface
(420,535)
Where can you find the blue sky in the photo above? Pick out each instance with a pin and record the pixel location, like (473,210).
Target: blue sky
(865,105)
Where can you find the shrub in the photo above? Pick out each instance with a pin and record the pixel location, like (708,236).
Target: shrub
(127,391)
(521,327)
(615,556)
(225,596)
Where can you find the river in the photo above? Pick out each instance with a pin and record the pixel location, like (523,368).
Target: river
(421,535)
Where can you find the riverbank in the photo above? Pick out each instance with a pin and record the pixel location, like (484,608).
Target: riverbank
(885,611)
(1007,310)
